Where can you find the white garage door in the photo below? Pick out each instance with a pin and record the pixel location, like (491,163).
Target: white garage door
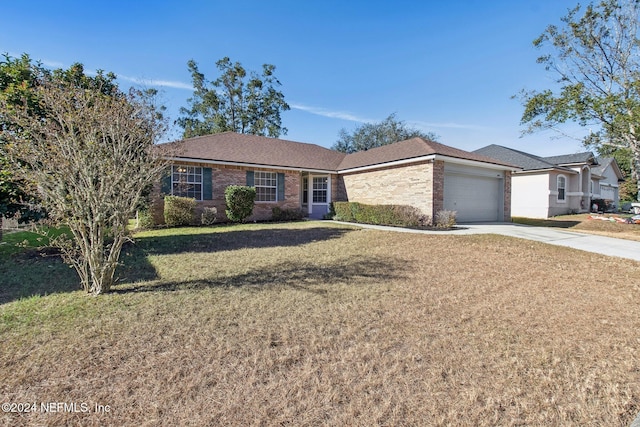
(474,198)
(607,193)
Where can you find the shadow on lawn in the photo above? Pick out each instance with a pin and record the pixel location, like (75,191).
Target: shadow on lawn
(40,273)
(352,270)
(35,272)
(294,273)
(234,240)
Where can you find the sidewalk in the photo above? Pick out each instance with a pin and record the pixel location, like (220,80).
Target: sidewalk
(609,246)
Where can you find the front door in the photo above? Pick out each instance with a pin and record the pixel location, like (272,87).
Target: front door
(316,195)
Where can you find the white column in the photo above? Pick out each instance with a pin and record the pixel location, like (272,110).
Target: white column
(310,194)
(328,191)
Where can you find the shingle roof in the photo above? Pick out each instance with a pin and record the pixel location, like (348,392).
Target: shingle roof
(257,150)
(408,149)
(604,163)
(568,159)
(528,162)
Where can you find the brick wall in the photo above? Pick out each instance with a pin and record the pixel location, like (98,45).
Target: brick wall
(420,185)
(398,185)
(507,196)
(438,187)
(338,192)
(222,176)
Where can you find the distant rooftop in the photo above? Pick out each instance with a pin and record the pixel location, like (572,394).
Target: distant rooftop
(569,159)
(531,162)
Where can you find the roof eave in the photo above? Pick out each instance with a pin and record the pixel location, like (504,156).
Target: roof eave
(478,163)
(388,164)
(575,164)
(450,159)
(249,165)
(522,171)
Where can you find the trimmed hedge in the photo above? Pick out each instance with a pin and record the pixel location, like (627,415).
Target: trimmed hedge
(397,215)
(278,214)
(209,215)
(179,211)
(144,219)
(240,201)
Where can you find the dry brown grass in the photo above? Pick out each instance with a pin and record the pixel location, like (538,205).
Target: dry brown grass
(582,223)
(346,327)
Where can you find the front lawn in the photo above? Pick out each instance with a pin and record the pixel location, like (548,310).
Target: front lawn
(584,224)
(316,324)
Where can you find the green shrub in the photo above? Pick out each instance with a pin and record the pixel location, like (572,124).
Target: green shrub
(397,215)
(144,219)
(332,212)
(342,211)
(240,201)
(179,211)
(445,219)
(278,214)
(209,215)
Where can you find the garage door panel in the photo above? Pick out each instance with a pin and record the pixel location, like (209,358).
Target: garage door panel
(474,198)
(607,193)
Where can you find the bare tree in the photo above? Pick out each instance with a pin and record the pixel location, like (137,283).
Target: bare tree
(91,156)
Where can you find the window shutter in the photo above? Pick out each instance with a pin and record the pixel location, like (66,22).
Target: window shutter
(280,187)
(165,186)
(250,178)
(207,185)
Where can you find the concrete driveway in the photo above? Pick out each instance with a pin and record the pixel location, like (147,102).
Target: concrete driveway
(586,242)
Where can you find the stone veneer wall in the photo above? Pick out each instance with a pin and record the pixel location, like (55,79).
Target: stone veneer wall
(223,176)
(396,185)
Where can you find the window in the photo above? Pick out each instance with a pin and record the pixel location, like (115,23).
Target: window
(186,181)
(562,184)
(319,190)
(266,184)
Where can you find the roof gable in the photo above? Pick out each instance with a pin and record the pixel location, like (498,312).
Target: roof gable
(607,162)
(410,149)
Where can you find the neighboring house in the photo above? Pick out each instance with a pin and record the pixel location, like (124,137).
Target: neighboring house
(294,175)
(557,185)
(607,187)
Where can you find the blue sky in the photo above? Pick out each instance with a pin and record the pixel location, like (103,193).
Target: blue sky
(449,67)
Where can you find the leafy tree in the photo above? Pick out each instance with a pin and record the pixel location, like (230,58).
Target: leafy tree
(371,135)
(75,76)
(91,155)
(18,77)
(624,158)
(234,102)
(595,54)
